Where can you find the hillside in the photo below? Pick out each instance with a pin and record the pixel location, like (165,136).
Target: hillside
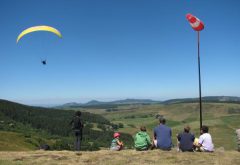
(100,104)
(30,123)
(222,119)
(38,126)
(129,157)
(114,104)
(212,99)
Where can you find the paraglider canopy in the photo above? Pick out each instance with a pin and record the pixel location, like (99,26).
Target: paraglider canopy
(39,28)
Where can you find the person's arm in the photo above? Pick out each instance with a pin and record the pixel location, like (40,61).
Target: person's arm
(71,122)
(178,141)
(178,137)
(193,138)
(119,143)
(82,125)
(135,137)
(154,135)
(148,140)
(200,141)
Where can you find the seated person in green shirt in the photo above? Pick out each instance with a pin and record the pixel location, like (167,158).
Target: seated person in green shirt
(142,140)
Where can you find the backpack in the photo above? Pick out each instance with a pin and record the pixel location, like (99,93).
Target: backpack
(77,123)
(45,147)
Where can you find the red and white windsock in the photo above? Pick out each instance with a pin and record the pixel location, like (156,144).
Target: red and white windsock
(195,22)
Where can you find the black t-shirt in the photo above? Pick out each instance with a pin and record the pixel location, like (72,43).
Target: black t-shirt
(186,141)
(77,123)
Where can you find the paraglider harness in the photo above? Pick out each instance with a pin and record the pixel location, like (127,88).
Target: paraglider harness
(44,62)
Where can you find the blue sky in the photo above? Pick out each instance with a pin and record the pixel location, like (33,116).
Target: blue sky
(117,49)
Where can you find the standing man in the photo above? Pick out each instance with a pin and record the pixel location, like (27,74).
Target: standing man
(77,126)
(162,136)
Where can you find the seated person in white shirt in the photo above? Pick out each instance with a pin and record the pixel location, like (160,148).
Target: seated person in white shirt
(205,143)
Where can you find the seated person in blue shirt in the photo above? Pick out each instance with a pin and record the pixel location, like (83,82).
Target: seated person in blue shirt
(185,140)
(162,136)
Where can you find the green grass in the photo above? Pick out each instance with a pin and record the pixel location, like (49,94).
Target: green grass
(17,141)
(222,124)
(12,141)
(221,121)
(8,162)
(130,157)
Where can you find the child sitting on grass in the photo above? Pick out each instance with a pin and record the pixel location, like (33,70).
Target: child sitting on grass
(142,140)
(116,144)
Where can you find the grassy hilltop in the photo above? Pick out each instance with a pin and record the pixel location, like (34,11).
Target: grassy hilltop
(131,157)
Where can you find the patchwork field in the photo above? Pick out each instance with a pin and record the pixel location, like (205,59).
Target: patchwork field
(222,118)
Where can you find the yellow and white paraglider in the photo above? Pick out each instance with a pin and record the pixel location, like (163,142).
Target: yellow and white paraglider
(39,28)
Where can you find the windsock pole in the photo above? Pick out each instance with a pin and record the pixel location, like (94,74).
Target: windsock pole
(199,79)
(197,25)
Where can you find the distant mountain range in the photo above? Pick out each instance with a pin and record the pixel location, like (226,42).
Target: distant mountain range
(217,99)
(117,102)
(227,99)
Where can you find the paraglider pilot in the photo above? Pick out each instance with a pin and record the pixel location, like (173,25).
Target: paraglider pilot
(44,62)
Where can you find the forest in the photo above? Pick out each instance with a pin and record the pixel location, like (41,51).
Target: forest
(52,127)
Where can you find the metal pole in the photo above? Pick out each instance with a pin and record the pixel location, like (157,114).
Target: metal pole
(199,79)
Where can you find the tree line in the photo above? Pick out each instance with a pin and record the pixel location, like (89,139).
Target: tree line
(57,123)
